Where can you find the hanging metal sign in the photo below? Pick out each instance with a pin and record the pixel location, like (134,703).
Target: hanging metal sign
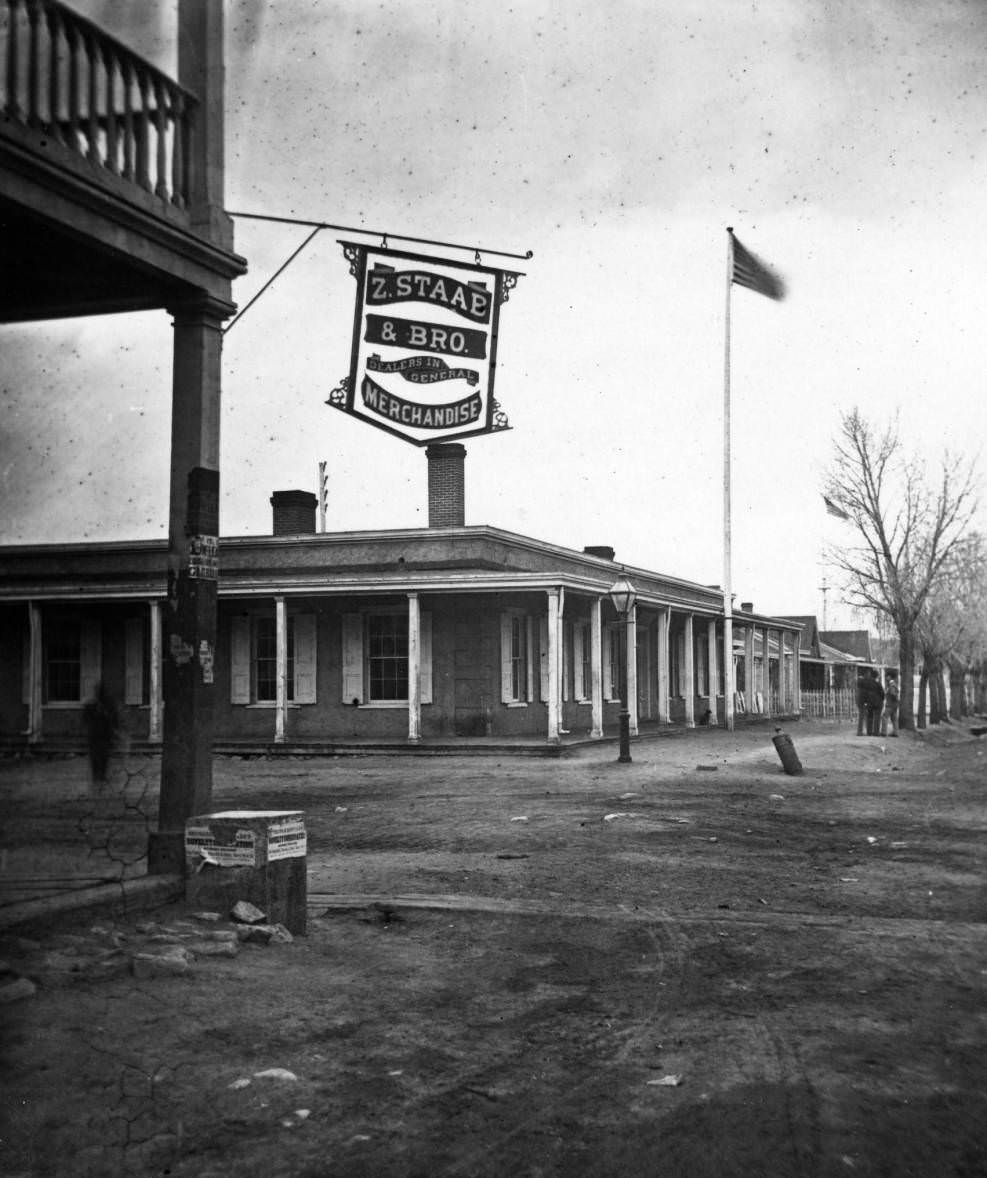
(424,345)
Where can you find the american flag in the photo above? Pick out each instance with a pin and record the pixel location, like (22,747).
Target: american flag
(751,272)
(834,510)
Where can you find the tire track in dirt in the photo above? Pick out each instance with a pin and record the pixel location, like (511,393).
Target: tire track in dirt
(623,1048)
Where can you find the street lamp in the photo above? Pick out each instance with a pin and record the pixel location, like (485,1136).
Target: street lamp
(623,595)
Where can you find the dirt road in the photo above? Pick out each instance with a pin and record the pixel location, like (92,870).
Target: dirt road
(690,965)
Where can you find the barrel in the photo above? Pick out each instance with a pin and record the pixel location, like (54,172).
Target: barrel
(789,757)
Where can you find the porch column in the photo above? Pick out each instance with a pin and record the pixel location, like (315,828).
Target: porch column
(596,667)
(664,621)
(766,671)
(729,684)
(553,666)
(750,679)
(797,671)
(632,670)
(33,693)
(201,70)
(689,674)
(154,674)
(714,678)
(280,670)
(560,660)
(782,683)
(192,564)
(414,669)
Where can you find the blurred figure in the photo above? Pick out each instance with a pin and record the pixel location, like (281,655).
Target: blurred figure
(875,703)
(891,701)
(861,697)
(100,717)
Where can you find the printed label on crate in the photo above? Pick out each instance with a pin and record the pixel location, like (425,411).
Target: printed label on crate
(200,840)
(286,839)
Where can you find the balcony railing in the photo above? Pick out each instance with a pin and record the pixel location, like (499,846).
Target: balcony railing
(71,82)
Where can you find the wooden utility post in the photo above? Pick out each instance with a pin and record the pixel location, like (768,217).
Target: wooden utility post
(189,612)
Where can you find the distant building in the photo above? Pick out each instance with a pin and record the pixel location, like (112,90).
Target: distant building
(402,636)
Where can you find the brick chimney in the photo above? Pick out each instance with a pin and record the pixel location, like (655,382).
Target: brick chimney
(294,513)
(446,485)
(603,551)
(747,607)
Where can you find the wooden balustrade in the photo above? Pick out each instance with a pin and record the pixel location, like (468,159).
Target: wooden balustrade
(78,86)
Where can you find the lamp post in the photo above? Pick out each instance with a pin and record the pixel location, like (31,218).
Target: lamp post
(623,596)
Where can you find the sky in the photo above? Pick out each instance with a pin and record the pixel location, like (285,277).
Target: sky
(843,142)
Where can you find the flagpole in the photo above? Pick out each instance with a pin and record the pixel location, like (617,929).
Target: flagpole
(728,686)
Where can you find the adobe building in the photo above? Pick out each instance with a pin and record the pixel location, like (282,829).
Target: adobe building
(449,634)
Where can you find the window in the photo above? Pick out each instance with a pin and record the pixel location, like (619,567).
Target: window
(254,659)
(702,665)
(611,661)
(266,660)
(387,656)
(72,659)
(582,661)
(376,662)
(137,655)
(516,665)
(63,665)
(677,660)
(518,660)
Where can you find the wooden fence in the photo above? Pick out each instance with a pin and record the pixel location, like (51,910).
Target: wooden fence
(835,704)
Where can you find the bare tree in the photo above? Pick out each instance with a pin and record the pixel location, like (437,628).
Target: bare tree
(964,613)
(907,528)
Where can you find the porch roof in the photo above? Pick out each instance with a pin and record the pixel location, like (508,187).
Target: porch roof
(475,559)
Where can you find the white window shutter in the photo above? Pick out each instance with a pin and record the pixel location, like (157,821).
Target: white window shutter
(134,661)
(239,659)
(352,677)
(543,661)
(90,657)
(425,648)
(305,658)
(506,677)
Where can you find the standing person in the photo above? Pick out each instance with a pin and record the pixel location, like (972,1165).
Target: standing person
(891,701)
(862,696)
(875,703)
(100,716)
